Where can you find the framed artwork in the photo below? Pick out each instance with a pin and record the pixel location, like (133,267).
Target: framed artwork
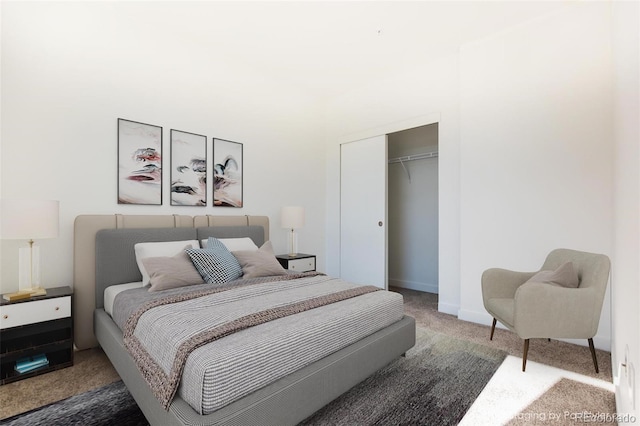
(188,169)
(139,163)
(227,173)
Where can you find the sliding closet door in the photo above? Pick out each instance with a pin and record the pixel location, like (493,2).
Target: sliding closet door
(363,211)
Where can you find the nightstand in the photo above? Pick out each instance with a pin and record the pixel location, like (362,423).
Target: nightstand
(299,263)
(36,326)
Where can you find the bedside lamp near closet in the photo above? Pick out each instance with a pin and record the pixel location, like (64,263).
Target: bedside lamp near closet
(292,217)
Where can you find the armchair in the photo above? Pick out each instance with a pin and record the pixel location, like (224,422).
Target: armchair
(538,310)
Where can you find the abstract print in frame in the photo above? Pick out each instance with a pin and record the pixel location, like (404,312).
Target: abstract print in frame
(188,169)
(139,163)
(227,173)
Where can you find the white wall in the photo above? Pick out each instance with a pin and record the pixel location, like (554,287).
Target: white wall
(70,69)
(525,148)
(413,210)
(535,150)
(422,95)
(625,274)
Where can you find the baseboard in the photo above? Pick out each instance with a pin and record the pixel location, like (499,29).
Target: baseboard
(414,285)
(448,308)
(484,318)
(599,342)
(477,317)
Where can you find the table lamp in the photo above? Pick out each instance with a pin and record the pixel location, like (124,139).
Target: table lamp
(292,217)
(29,220)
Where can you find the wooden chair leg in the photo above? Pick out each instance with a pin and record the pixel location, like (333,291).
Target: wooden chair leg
(524,354)
(493,328)
(593,355)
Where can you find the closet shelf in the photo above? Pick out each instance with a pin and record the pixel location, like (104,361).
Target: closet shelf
(422,156)
(414,157)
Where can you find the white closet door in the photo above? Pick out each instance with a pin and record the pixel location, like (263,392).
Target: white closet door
(363,211)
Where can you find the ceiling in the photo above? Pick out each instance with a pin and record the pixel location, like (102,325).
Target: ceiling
(325,48)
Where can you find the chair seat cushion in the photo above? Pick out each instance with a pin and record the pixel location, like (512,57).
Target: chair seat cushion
(502,310)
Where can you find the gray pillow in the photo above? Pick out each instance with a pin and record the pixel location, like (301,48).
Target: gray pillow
(564,276)
(259,263)
(215,264)
(171,272)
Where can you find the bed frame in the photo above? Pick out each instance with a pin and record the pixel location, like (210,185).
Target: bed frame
(103,242)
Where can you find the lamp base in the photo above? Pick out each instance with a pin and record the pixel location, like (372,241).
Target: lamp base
(29,267)
(35,291)
(293,243)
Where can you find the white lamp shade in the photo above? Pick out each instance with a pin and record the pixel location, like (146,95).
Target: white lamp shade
(292,217)
(29,219)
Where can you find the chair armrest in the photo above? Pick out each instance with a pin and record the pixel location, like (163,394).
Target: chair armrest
(543,310)
(502,283)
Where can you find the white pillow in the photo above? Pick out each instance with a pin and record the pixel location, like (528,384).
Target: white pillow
(235,244)
(164,248)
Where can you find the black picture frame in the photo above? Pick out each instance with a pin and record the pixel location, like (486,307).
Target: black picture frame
(228,170)
(188,154)
(139,163)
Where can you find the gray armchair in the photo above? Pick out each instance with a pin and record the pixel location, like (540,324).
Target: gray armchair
(536,310)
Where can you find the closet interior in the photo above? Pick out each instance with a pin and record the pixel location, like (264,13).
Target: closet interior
(412,208)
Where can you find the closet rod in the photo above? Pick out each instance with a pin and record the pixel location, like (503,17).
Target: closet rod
(413,157)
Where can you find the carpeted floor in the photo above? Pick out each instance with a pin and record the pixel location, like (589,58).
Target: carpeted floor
(512,395)
(553,407)
(92,369)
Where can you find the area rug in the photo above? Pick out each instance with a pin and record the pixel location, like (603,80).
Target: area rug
(110,405)
(435,384)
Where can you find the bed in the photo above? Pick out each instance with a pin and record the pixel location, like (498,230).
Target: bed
(104,257)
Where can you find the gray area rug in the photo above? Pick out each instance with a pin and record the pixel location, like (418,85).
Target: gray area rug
(110,405)
(435,384)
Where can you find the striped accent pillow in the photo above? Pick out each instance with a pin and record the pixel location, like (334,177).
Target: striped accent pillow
(215,264)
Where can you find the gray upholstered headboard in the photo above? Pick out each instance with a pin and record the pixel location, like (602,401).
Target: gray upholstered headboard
(104,254)
(115,256)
